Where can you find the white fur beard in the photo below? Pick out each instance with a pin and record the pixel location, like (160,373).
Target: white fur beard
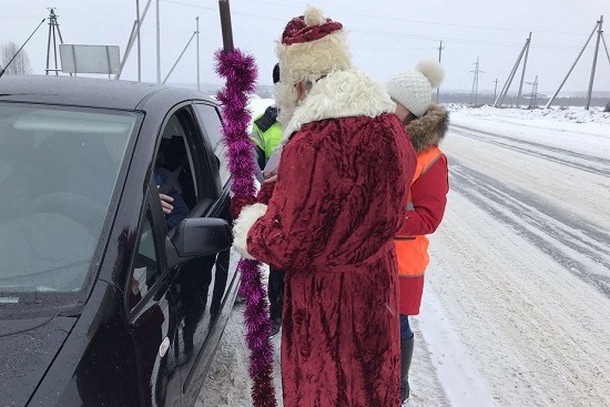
(286,99)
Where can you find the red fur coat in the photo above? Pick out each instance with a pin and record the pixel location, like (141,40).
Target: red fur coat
(340,197)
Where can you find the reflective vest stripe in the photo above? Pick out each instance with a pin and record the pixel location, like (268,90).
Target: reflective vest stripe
(269,140)
(412,251)
(257,138)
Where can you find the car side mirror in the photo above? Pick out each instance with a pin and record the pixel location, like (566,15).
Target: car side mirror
(198,237)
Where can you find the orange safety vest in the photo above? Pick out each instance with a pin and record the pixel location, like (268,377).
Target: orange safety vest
(412,251)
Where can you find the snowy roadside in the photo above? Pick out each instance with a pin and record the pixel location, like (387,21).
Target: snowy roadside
(554,116)
(518,289)
(575,129)
(521,264)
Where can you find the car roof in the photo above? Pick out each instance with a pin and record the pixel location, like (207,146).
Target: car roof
(88,92)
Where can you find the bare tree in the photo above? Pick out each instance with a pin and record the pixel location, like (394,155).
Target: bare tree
(21,64)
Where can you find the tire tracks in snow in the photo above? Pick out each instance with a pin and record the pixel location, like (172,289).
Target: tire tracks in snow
(554,231)
(584,162)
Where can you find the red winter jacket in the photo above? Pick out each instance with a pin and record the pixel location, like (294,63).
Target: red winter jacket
(428,196)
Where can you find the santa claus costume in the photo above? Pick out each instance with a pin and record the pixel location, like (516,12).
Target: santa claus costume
(340,198)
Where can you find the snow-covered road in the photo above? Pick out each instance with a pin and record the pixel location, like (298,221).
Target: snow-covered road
(517,302)
(521,264)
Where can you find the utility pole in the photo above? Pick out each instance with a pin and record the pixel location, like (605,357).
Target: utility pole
(138,26)
(132,39)
(179,57)
(440,57)
(4,68)
(534,95)
(495,88)
(158,44)
(511,76)
(198,76)
(552,99)
(54,32)
(600,23)
(527,50)
(509,81)
(605,47)
(474,93)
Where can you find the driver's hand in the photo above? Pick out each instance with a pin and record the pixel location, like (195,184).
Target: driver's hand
(271,179)
(270,176)
(166,205)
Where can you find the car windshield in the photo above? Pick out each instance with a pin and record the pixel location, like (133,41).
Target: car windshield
(58,169)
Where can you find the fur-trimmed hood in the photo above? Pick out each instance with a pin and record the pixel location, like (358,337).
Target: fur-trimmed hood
(429,129)
(341,94)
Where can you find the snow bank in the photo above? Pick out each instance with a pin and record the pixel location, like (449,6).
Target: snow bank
(570,114)
(573,129)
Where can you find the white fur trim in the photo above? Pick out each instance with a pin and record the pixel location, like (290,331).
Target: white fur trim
(341,94)
(244,222)
(314,16)
(308,61)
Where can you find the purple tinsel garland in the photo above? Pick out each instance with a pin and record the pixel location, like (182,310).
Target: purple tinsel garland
(239,70)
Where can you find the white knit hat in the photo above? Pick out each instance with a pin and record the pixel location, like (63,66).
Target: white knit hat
(413,88)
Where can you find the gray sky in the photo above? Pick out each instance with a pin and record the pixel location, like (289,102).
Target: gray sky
(386,36)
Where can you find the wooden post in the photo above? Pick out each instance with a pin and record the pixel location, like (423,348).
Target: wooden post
(225,22)
(600,31)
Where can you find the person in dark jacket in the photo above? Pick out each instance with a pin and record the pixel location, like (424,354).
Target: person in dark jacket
(267,136)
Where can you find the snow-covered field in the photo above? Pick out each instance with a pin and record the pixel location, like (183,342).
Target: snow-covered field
(517,302)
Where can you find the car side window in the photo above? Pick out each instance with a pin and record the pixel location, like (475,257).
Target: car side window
(145,270)
(174,166)
(212,127)
(211,123)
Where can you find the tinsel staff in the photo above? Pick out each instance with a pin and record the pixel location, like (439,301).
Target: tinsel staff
(239,71)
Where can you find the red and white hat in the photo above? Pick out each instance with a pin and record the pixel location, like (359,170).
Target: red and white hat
(312,46)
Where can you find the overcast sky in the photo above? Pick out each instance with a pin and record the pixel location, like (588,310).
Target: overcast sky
(386,36)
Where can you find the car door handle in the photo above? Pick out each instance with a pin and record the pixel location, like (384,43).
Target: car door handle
(164,347)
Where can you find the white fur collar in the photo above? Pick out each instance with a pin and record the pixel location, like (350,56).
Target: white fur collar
(244,222)
(341,94)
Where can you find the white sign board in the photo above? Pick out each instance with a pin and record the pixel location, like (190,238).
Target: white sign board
(76,58)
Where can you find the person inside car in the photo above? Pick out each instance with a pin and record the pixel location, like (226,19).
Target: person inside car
(172,203)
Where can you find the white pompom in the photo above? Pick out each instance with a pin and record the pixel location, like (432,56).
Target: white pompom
(314,16)
(431,70)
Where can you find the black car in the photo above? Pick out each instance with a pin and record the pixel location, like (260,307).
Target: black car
(105,300)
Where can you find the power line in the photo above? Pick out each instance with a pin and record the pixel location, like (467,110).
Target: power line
(390,33)
(189,4)
(430,22)
(15,17)
(456,40)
